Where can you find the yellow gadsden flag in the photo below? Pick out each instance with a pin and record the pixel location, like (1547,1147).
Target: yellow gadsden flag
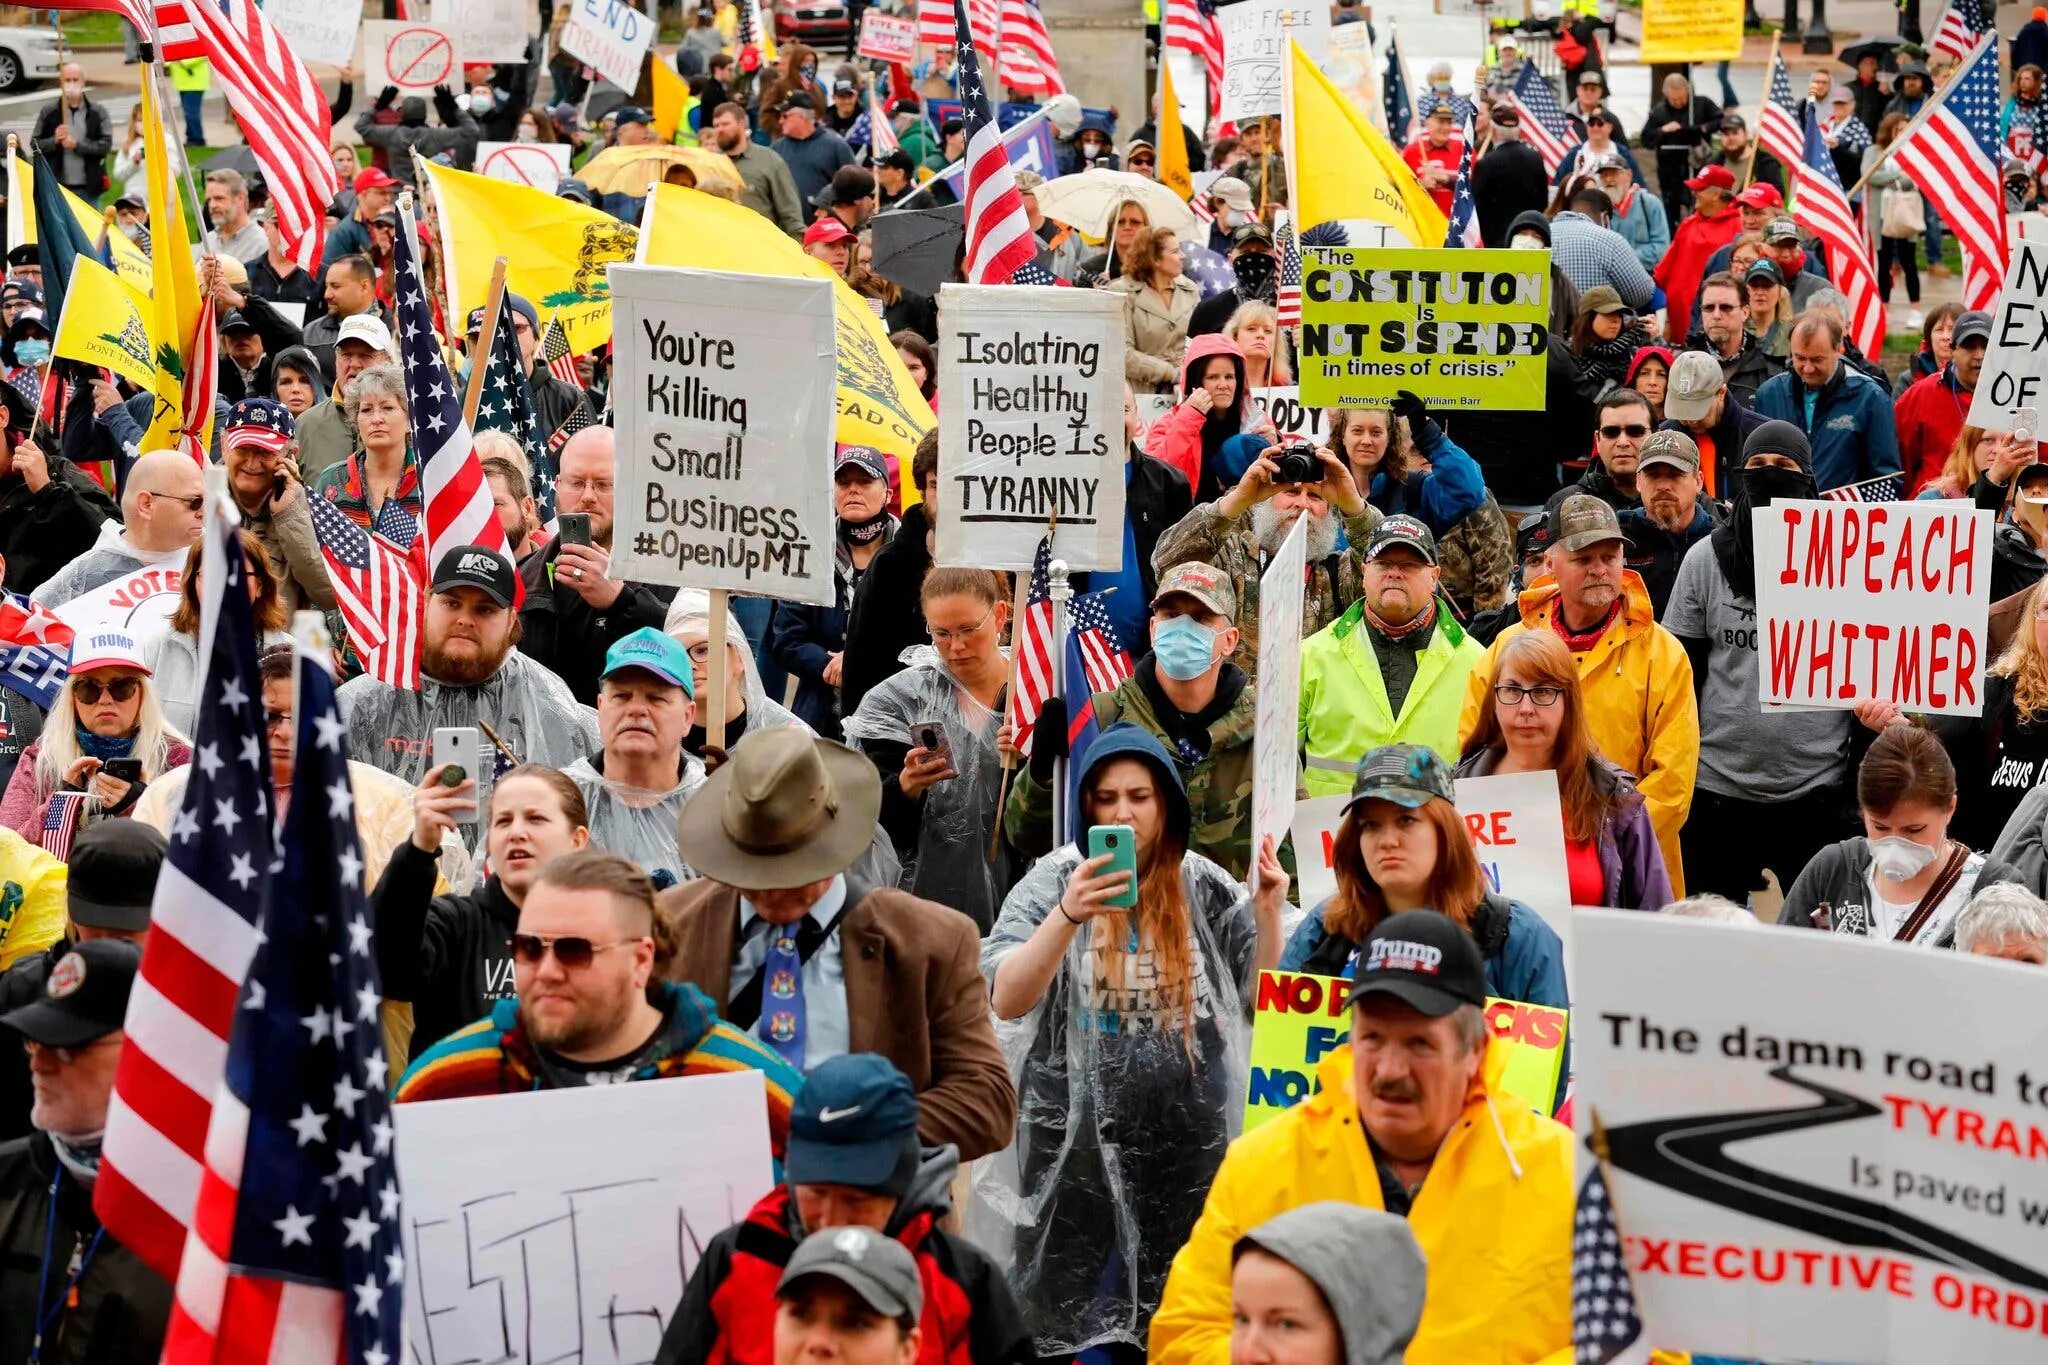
(129,259)
(556,250)
(879,406)
(1173,147)
(107,322)
(1343,167)
(174,290)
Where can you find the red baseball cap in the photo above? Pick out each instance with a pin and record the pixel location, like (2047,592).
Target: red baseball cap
(1761,196)
(370,178)
(1712,177)
(826,230)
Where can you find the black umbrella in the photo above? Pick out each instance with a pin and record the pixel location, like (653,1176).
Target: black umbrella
(237,158)
(916,248)
(1885,49)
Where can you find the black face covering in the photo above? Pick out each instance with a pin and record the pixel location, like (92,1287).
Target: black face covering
(1767,483)
(1254,274)
(1734,547)
(864,532)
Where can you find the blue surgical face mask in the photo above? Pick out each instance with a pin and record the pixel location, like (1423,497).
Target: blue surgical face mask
(1184,647)
(31,351)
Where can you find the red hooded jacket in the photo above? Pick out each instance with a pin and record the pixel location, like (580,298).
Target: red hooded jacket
(1177,437)
(1693,244)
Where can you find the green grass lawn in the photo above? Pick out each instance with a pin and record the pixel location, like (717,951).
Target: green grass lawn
(91,26)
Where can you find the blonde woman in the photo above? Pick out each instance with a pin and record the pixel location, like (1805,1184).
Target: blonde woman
(1255,327)
(1159,303)
(1770,308)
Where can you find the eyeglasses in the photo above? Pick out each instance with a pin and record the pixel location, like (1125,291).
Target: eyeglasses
(90,690)
(1509,694)
(700,653)
(573,952)
(1720,308)
(940,637)
(601,487)
(1635,431)
(191,504)
(273,720)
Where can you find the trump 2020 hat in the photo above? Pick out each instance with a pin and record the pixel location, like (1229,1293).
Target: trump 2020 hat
(1423,959)
(1402,530)
(655,651)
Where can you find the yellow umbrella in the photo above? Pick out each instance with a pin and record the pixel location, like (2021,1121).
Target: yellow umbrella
(629,170)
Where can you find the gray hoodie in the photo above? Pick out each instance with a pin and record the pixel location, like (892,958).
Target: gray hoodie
(1368,1266)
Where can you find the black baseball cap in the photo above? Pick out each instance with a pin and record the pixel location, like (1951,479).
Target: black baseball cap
(848,185)
(1401,529)
(85,995)
(113,875)
(479,567)
(852,1122)
(898,159)
(630,113)
(235,322)
(799,99)
(1423,959)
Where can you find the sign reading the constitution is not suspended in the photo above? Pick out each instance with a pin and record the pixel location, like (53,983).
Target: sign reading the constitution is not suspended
(1463,329)
(725,406)
(1807,1162)
(1860,601)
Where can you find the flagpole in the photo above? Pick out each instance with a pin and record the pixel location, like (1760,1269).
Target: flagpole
(1061,589)
(1934,102)
(494,304)
(1019,600)
(1770,67)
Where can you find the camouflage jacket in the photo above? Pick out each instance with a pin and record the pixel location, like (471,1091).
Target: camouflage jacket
(1206,536)
(1478,556)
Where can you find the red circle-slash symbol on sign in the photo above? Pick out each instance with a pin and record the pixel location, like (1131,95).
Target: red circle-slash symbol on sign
(419,57)
(525,165)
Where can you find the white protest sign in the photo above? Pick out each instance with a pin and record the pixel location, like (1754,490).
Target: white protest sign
(1517,826)
(1255,34)
(319,30)
(412,56)
(139,603)
(887,37)
(610,36)
(1885,600)
(1283,408)
(1820,1147)
(541,164)
(1031,426)
(725,402)
(563,1224)
(2015,376)
(1276,738)
(492,30)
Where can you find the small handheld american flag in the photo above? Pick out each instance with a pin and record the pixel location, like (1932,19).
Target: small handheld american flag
(1885,488)
(1033,649)
(378,587)
(1607,1327)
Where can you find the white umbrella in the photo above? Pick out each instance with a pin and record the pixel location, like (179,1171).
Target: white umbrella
(1088,201)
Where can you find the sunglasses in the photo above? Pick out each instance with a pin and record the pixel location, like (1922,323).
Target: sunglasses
(191,504)
(1635,431)
(574,952)
(90,690)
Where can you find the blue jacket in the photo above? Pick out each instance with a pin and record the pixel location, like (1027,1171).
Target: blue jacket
(1451,489)
(1852,432)
(1644,226)
(803,638)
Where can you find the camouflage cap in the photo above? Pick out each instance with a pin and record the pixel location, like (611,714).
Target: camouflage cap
(1205,583)
(1582,520)
(1674,448)
(1410,775)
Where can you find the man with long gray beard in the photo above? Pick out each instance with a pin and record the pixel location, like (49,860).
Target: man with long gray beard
(1245,527)
(471,674)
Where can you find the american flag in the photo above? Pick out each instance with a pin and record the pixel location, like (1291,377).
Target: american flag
(1544,125)
(999,241)
(1607,1328)
(295,1249)
(554,348)
(936,24)
(1191,26)
(1028,61)
(1464,224)
(1033,649)
(202,936)
(1400,111)
(881,134)
(379,582)
(1884,488)
(1287,297)
(201,384)
(1778,127)
(1961,26)
(34,646)
(276,100)
(1820,206)
(135,12)
(1953,156)
(506,403)
(60,823)
(1092,641)
(751,31)
(457,501)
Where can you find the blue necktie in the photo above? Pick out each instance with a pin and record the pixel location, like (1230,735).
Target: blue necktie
(782,994)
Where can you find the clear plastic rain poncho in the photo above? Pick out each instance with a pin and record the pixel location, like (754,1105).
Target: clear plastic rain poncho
(1121,1122)
(951,863)
(692,608)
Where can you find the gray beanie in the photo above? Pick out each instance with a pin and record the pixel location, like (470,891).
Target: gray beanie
(1367,1264)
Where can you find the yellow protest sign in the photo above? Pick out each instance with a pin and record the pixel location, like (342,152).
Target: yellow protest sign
(1462,328)
(106,323)
(1300,1019)
(1347,168)
(1692,31)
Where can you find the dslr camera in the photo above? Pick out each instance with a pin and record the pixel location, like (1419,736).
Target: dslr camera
(1297,463)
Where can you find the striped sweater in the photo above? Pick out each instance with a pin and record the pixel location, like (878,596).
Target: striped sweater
(494,1056)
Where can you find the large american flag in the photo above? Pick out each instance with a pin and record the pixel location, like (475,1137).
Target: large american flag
(202,936)
(379,580)
(1779,129)
(1883,488)
(1961,26)
(1028,62)
(1464,224)
(999,242)
(1820,205)
(295,1252)
(1953,155)
(1033,650)
(936,24)
(1607,1327)
(1191,26)
(453,493)
(276,100)
(1544,125)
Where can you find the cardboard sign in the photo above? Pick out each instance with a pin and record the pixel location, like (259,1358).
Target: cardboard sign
(887,37)
(1354,67)
(1806,1163)
(725,406)
(319,30)
(1255,34)
(414,57)
(140,603)
(1517,826)
(1276,738)
(516,1253)
(492,30)
(610,36)
(1299,1019)
(1463,328)
(1884,600)
(541,164)
(1692,31)
(1031,420)
(2014,382)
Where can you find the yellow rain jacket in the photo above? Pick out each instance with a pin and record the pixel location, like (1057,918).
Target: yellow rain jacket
(1494,1217)
(1345,713)
(1637,686)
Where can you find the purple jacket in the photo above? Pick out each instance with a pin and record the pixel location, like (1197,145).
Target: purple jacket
(1632,875)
